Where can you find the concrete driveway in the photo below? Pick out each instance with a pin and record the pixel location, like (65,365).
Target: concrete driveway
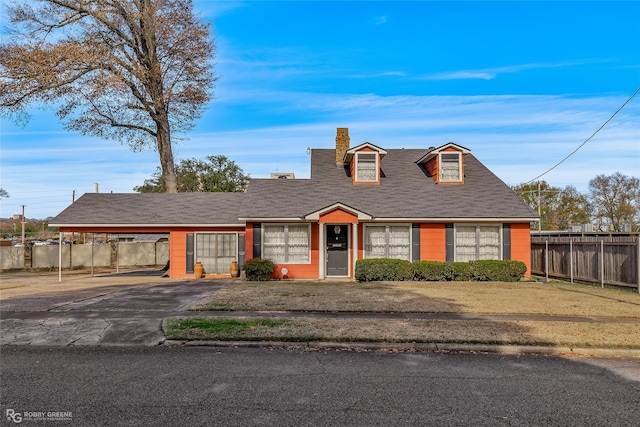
(106,310)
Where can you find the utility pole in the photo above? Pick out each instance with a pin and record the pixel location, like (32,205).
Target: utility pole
(22,220)
(539,209)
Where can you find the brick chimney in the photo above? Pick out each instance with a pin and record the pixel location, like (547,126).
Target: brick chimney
(342,145)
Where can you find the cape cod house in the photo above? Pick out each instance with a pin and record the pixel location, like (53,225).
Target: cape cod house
(360,202)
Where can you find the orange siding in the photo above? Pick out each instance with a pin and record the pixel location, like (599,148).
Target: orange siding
(521,245)
(433,244)
(338,216)
(432,168)
(178,254)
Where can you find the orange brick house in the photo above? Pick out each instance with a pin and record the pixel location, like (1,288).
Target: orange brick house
(437,204)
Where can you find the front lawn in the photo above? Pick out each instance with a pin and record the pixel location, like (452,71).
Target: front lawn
(553,299)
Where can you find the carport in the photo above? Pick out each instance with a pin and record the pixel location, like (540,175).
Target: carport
(188,219)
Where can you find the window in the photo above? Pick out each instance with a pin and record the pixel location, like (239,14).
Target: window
(387,241)
(450,170)
(366,167)
(475,242)
(286,243)
(216,251)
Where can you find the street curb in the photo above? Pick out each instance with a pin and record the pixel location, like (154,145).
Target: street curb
(433,347)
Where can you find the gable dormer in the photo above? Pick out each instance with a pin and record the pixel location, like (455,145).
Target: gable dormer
(445,164)
(364,163)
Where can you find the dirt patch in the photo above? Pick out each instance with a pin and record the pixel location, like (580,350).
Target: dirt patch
(553,299)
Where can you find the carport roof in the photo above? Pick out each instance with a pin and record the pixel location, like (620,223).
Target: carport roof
(151,209)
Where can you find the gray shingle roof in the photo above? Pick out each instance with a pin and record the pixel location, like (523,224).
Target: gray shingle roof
(152,209)
(405,191)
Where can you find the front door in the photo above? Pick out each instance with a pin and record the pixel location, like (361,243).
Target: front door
(337,249)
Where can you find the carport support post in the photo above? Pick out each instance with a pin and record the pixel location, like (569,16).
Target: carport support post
(93,245)
(117,253)
(60,257)
(321,251)
(354,250)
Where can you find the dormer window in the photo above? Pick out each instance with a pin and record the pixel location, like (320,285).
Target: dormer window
(445,164)
(450,167)
(367,167)
(364,163)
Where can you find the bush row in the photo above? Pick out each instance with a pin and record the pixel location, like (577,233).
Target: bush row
(377,269)
(368,270)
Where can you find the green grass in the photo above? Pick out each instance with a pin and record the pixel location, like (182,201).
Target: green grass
(224,325)
(219,328)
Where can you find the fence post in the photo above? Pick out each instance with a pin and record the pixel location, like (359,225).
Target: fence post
(571,257)
(546,259)
(638,260)
(602,263)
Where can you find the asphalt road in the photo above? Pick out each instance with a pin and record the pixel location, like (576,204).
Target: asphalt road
(192,386)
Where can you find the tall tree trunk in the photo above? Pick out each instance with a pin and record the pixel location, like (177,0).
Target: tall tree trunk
(166,156)
(156,90)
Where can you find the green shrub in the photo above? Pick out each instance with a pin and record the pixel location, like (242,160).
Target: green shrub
(259,269)
(430,271)
(459,271)
(376,269)
(499,271)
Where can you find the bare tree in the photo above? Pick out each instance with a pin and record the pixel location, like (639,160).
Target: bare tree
(131,70)
(615,200)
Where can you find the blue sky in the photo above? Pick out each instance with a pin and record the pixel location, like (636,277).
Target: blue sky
(521,84)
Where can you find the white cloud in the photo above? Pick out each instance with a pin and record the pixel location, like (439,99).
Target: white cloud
(381,20)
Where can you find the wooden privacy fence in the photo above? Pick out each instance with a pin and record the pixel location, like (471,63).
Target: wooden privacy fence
(598,260)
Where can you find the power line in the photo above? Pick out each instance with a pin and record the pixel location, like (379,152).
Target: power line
(586,140)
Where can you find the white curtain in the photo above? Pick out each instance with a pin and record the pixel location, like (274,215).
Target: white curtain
(477,242)
(286,243)
(274,243)
(450,167)
(399,242)
(466,243)
(366,168)
(375,242)
(489,242)
(387,242)
(298,244)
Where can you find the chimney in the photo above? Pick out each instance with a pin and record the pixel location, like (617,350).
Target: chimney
(342,145)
